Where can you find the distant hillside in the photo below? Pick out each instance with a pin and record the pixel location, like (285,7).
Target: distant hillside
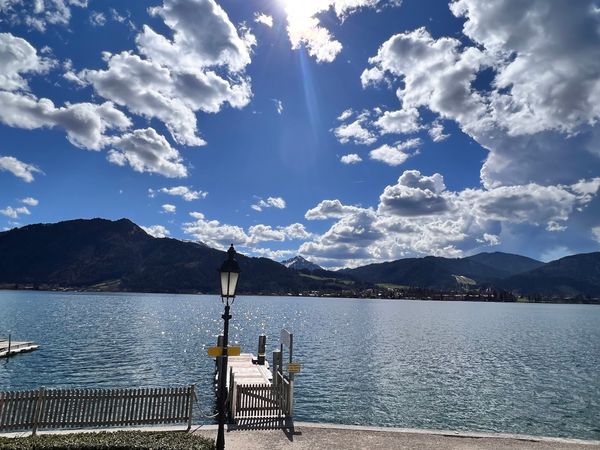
(442,273)
(506,263)
(299,263)
(569,276)
(120,256)
(100,254)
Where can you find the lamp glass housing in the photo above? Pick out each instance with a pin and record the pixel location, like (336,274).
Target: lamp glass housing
(229,283)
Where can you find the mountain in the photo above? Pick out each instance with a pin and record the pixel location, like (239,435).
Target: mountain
(107,255)
(576,275)
(443,273)
(299,263)
(506,263)
(118,255)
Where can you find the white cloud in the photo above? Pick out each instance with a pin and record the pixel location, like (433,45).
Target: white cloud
(97,19)
(84,123)
(18,57)
(39,13)
(278,106)
(157,231)
(271,202)
(14,213)
(436,132)
(596,233)
(538,117)
(345,115)
(330,209)
(30,201)
(217,235)
(419,216)
(18,168)
(168,208)
(355,132)
(399,122)
(181,191)
(201,68)
(214,234)
(147,151)
(305,27)
(265,19)
(351,158)
(394,155)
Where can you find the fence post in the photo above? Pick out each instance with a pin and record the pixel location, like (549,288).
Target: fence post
(276,365)
(192,395)
(39,404)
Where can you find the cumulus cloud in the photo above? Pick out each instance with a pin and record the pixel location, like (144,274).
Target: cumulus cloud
(436,132)
(14,213)
(18,168)
(330,209)
(538,117)
(30,201)
(218,235)
(419,216)
(199,69)
(157,231)
(265,19)
(414,195)
(394,155)
(168,208)
(181,191)
(18,58)
(355,132)
(39,13)
(351,158)
(147,151)
(84,123)
(399,122)
(271,202)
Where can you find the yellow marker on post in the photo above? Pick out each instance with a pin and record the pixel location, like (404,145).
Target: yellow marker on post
(215,352)
(294,367)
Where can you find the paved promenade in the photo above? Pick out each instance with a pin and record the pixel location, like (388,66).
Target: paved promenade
(309,436)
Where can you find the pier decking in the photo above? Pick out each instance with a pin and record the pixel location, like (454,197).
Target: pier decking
(245,370)
(10,348)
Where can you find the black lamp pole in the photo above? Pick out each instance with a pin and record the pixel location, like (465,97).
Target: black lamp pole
(229,276)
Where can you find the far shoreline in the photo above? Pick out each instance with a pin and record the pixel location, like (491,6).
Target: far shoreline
(555,301)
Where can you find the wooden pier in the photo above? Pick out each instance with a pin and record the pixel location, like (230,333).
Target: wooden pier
(255,395)
(8,347)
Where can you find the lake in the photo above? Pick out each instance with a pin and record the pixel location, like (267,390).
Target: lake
(501,367)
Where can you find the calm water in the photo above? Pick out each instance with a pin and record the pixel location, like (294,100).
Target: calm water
(516,368)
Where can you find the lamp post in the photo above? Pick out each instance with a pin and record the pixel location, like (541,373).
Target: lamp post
(230,271)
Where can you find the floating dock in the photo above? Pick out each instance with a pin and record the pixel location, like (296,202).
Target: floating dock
(8,347)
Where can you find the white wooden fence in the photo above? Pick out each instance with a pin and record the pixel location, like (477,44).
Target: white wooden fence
(81,408)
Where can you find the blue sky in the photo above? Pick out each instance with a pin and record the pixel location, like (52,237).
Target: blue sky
(347,131)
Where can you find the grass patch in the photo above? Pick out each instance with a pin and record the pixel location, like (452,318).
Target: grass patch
(110,440)
(391,286)
(334,280)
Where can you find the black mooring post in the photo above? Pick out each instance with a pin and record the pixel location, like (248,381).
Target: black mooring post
(262,348)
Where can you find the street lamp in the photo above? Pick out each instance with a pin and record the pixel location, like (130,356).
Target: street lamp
(230,272)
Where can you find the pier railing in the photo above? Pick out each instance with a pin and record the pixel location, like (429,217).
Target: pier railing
(81,408)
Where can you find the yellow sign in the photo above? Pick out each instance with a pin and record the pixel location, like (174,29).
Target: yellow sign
(215,352)
(293,368)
